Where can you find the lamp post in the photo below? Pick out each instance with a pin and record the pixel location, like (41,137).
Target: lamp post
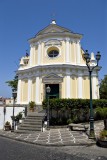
(4,111)
(90,70)
(48,89)
(14,94)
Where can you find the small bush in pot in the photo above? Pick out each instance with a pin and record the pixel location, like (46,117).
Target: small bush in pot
(7,126)
(32,106)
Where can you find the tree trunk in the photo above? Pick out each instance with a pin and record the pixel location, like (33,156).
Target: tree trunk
(105,124)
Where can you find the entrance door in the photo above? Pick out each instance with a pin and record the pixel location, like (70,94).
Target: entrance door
(54,93)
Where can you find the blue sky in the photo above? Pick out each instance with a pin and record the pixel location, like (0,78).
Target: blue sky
(22,19)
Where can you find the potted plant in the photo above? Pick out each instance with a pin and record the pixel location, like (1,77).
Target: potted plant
(102,139)
(18,117)
(32,106)
(7,126)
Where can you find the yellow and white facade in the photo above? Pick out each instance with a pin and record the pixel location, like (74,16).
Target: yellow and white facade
(56,59)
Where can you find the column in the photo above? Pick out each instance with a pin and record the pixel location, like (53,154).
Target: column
(29,89)
(78,52)
(37,90)
(94,88)
(31,55)
(19,92)
(80,86)
(67,50)
(75,55)
(39,53)
(68,84)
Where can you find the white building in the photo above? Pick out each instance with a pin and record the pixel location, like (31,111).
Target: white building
(56,59)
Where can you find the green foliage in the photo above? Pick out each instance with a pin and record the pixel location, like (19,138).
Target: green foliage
(65,111)
(103,134)
(101,112)
(13,83)
(69,121)
(71,104)
(31,105)
(103,88)
(18,116)
(7,123)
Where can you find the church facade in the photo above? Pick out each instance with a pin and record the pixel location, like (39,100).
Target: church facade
(55,60)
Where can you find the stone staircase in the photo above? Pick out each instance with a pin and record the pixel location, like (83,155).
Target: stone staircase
(32,123)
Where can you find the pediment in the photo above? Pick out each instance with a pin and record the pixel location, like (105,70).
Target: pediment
(52,28)
(52,75)
(52,78)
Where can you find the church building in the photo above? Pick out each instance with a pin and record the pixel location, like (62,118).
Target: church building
(55,60)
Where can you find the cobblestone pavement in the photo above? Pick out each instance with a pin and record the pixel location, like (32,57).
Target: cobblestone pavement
(91,152)
(14,150)
(55,137)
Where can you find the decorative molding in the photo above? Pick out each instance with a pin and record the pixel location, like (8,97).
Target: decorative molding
(67,39)
(52,79)
(56,68)
(53,42)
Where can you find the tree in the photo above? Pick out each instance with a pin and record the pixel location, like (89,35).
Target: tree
(13,83)
(103,88)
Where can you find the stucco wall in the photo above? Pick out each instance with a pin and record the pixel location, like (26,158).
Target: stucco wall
(9,113)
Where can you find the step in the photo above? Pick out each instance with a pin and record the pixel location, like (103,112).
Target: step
(30,126)
(29,118)
(26,131)
(32,123)
(35,114)
(32,117)
(29,129)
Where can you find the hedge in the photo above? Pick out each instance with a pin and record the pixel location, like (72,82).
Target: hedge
(74,103)
(71,110)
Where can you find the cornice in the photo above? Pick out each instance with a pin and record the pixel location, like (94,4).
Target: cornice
(64,69)
(54,35)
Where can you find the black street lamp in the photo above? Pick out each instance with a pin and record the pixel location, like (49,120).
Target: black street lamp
(48,89)
(90,69)
(14,95)
(4,111)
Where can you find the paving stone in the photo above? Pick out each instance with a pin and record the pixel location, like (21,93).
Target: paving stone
(58,137)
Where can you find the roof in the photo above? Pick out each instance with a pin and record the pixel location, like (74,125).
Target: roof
(53,28)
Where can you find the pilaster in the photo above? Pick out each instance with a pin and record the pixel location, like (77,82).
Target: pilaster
(31,55)
(68,84)
(94,88)
(29,89)
(80,85)
(67,50)
(39,53)
(37,98)
(19,92)
(78,52)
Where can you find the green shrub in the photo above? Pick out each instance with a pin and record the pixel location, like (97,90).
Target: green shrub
(7,123)
(103,134)
(101,113)
(75,109)
(69,121)
(31,105)
(18,116)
